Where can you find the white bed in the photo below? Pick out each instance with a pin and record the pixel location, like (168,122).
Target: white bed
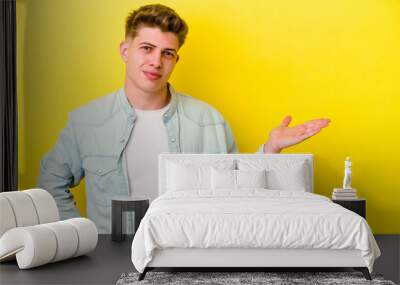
(201,219)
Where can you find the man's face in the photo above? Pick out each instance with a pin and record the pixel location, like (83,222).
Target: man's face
(150,58)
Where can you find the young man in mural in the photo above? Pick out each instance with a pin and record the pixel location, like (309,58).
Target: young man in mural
(114,142)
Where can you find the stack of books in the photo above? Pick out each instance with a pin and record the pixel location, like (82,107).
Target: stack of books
(344,194)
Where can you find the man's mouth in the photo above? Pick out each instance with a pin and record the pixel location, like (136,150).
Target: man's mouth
(152,75)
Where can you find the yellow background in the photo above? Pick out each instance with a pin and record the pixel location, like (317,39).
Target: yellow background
(255,61)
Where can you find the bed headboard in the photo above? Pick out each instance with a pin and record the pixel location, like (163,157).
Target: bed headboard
(165,159)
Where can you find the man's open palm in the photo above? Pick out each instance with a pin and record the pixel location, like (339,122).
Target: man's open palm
(284,136)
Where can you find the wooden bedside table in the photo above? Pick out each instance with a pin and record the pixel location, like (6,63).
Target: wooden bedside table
(357,206)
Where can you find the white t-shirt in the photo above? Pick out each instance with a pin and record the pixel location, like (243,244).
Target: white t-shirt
(148,139)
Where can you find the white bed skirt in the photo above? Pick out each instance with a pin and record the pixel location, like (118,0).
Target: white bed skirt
(196,257)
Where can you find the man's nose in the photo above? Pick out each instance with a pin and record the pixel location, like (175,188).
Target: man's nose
(156,60)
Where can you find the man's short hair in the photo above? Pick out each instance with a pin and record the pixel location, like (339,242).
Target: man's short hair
(156,15)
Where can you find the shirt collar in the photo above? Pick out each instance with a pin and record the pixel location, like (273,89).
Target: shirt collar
(173,103)
(130,112)
(124,103)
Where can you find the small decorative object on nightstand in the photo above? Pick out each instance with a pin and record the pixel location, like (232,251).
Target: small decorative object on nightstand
(347,192)
(139,205)
(356,205)
(347,173)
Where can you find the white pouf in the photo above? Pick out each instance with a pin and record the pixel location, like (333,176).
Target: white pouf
(30,230)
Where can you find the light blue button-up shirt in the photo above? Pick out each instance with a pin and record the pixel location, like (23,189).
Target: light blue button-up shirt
(92,147)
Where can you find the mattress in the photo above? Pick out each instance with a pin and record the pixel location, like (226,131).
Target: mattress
(250,219)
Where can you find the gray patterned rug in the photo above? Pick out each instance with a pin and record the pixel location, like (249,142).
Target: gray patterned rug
(269,278)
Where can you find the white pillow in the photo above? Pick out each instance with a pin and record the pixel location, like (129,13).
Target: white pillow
(251,178)
(182,178)
(185,174)
(281,174)
(223,179)
(237,179)
(292,179)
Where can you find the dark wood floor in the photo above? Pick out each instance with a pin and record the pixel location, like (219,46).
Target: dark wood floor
(389,262)
(110,260)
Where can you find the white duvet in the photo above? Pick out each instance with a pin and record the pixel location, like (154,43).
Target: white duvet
(250,218)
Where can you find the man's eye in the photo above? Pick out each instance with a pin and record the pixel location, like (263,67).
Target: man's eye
(146,48)
(169,54)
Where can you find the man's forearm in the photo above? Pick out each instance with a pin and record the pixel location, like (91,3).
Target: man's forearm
(58,187)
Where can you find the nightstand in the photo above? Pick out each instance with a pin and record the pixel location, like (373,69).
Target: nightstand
(357,206)
(139,205)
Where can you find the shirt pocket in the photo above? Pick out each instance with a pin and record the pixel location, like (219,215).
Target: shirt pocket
(101,178)
(100,165)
